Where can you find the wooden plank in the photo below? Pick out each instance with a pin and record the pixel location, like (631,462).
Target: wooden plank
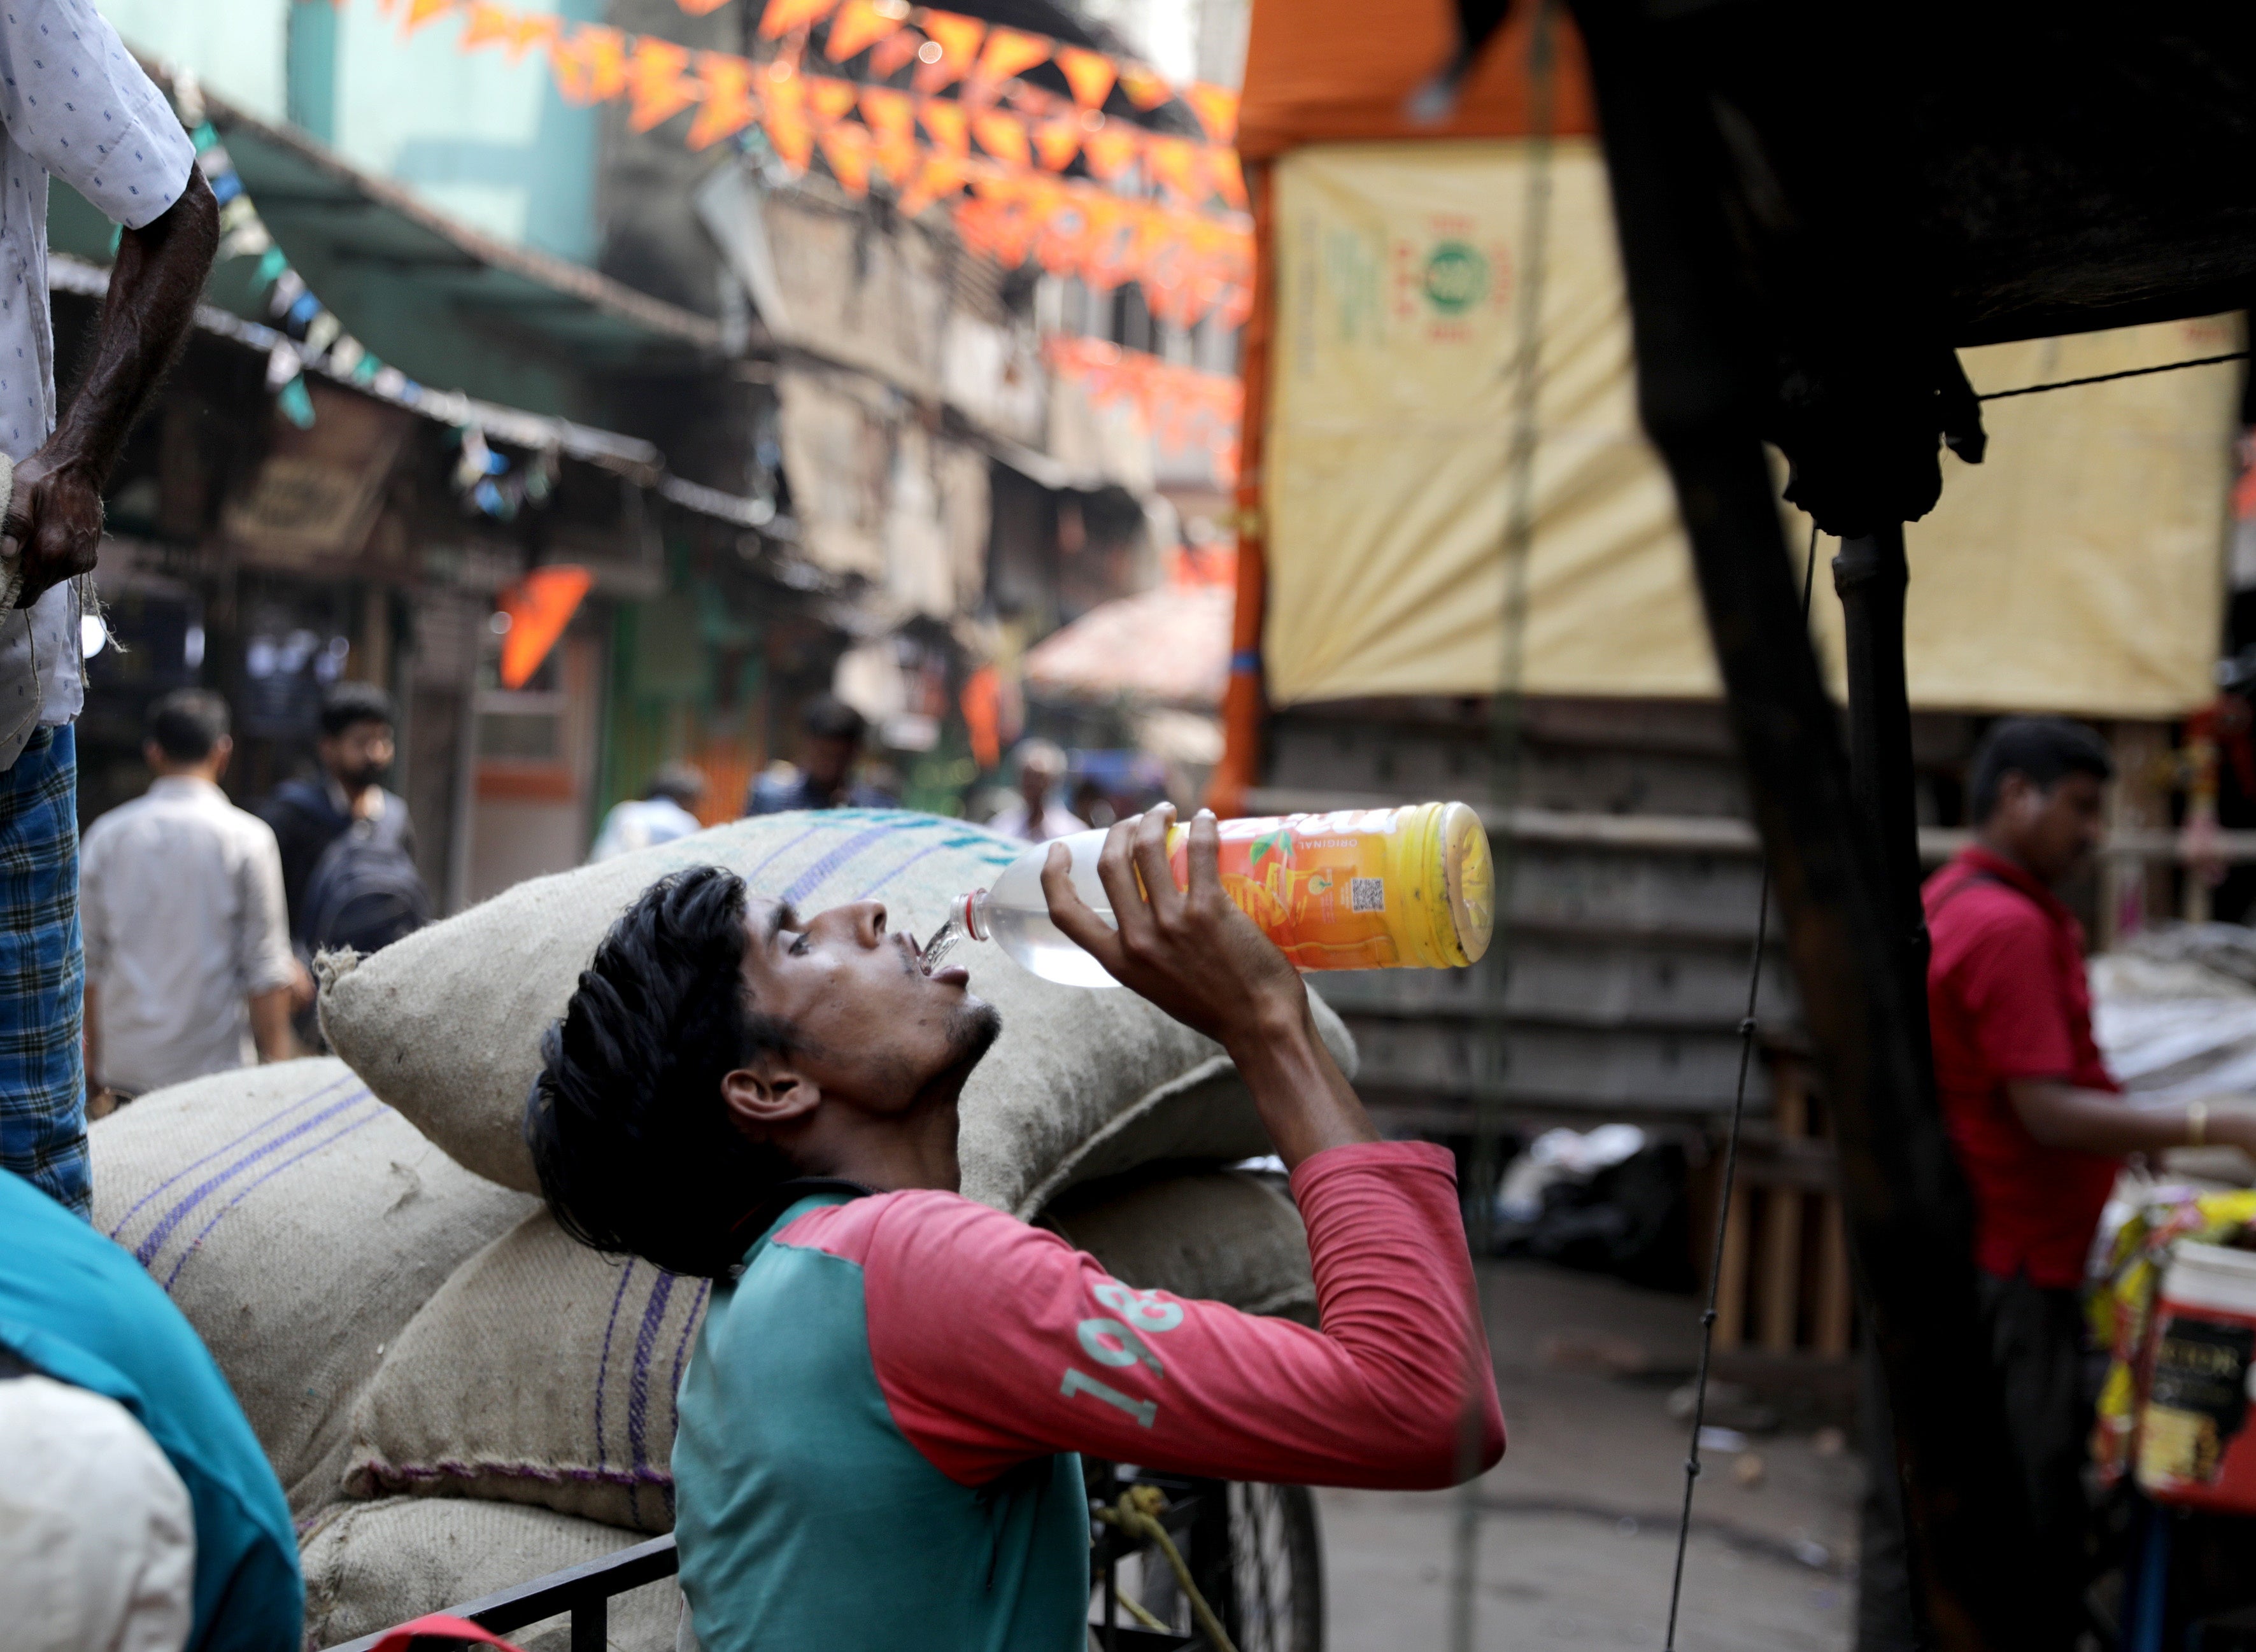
(1731,1288)
(1835,1299)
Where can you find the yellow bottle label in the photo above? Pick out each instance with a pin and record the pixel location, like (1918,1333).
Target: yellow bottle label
(1366,888)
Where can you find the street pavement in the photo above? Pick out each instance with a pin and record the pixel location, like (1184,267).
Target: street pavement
(1578,1525)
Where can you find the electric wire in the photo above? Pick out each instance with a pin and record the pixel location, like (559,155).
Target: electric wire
(2109,378)
(1748,1027)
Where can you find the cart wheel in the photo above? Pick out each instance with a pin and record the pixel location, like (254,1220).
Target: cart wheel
(1258,1554)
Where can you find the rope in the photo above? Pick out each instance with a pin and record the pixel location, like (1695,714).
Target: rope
(1137,1515)
(1723,1197)
(2108,378)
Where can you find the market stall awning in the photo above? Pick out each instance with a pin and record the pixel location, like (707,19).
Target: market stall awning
(1169,646)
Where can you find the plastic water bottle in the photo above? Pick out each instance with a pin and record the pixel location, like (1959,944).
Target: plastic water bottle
(1367,889)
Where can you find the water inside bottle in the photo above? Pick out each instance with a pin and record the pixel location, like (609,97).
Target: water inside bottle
(1041,948)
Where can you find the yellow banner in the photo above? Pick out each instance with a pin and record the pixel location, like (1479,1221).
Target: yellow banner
(2079,570)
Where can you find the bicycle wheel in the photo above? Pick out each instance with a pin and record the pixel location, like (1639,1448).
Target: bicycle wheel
(1257,1554)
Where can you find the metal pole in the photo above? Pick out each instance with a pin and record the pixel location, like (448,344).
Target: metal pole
(1872,577)
(1908,1212)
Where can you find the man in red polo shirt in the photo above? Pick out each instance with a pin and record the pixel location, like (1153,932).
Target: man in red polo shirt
(2038,1123)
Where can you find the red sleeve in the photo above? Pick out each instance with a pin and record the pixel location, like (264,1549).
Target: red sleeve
(2016,1011)
(994,1342)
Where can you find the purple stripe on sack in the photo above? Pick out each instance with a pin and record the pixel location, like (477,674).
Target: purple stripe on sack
(163,1231)
(807,882)
(781,849)
(266,1123)
(603,1364)
(653,1314)
(220,1215)
(929,848)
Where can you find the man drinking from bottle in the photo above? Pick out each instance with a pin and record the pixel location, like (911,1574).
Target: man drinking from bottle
(879,1424)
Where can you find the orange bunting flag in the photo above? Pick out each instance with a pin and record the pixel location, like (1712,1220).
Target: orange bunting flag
(537,29)
(422,12)
(590,65)
(1110,149)
(958,39)
(487,24)
(949,125)
(892,54)
(1228,176)
(1176,162)
(943,176)
(658,83)
(828,100)
(1011,53)
(1057,142)
(858,25)
(699,8)
(1144,88)
(1003,136)
(538,608)
(846,146)
(1216,107)
(784,120)
(891,117)
(730,106)
(1090,73)
(781,17)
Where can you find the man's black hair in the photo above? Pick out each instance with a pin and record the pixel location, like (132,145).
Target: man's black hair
(634,1146)
(827,717)
(185,724)
(346,704)
(2044,749)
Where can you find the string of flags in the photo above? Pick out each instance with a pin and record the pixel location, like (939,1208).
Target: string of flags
(1184,408)
(1166,211)
(313,336)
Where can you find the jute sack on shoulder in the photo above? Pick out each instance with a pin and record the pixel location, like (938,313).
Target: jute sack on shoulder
(299,1223)
(445,1023)
(369,1566)
(544,1373)
(1225,1236)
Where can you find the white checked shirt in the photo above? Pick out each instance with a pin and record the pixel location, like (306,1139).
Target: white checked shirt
(181,893)
(74,105)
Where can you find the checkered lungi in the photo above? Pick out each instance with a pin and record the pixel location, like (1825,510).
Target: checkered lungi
(42,972)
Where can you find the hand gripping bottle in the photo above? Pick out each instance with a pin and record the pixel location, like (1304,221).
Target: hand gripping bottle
(1366,888)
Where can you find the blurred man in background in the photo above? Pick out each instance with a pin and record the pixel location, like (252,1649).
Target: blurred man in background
(831,746)
(1035,817)
(310,816)
(660,815)
(188,967)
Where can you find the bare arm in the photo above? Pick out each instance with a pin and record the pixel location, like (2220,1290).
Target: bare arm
(56,512)
(1192,952)
(269,1025)
(2059,1114)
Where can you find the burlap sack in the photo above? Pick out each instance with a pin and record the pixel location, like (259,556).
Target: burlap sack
(299,1223)
(371,1565)
(444,1024)
(543,1373)
(1217,1235)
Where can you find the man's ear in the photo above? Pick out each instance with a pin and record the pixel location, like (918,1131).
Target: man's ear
(771,1093)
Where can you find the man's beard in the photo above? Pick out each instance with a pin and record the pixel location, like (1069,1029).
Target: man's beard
(972,1029)
(360,779)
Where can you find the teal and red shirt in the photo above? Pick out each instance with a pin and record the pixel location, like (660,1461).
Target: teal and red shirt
(880,1425)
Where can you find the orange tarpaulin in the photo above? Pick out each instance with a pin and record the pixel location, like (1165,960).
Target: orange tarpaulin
(1335,70)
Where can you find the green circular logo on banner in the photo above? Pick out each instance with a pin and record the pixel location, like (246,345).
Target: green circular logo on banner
(1456,277)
